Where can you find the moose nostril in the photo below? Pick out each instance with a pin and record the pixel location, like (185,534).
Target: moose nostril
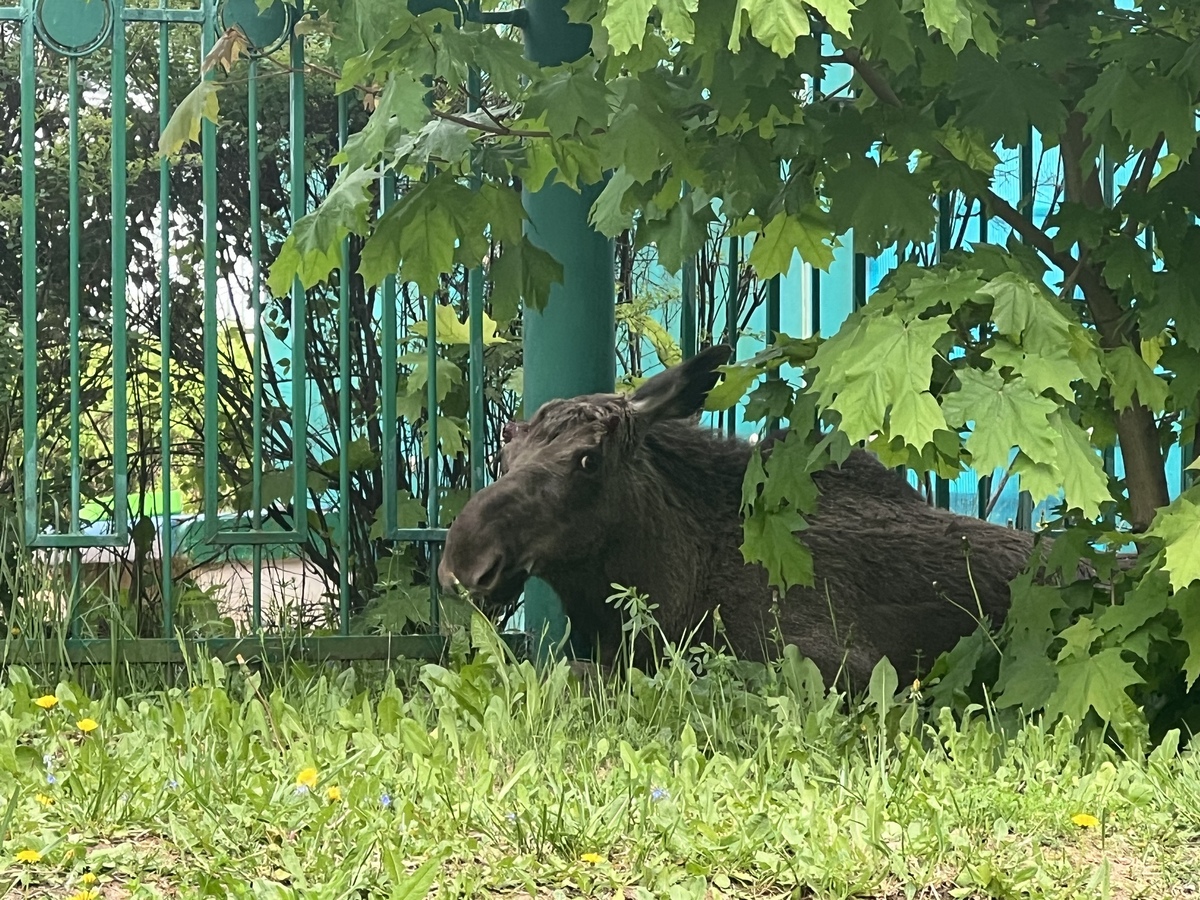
(490,577)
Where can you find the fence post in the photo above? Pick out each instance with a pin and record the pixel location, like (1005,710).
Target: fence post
(570,346)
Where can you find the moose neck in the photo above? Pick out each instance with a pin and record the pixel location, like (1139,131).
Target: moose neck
(679,515)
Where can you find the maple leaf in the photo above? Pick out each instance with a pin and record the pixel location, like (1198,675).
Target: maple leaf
(1092,682)
(573,101)
(1006,414)
(784,235)
(680,234)
(626,23)
(880,365)
(184,125)
(1128,374)
(1186,604)
(769,537)
(313,249)
(1178,525)
(775,23)
(884,204)
(524,272)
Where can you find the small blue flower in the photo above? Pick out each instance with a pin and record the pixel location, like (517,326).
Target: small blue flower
(48,760)
(512,817)
(658,793)
(301,789)
(50,779)
(172,784)
(385,799)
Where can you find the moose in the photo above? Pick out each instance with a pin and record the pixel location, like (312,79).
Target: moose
(630,489)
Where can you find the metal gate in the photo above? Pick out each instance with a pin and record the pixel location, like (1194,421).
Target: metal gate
(181,431)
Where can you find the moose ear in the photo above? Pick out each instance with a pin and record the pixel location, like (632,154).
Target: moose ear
(679,392)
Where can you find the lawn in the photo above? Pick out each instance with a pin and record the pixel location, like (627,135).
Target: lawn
(485,778)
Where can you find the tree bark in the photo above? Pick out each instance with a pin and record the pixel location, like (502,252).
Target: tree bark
(1141,451)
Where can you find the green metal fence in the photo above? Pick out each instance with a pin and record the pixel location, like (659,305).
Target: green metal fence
(132,333)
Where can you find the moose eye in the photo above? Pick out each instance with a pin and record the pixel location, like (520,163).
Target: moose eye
(589,462)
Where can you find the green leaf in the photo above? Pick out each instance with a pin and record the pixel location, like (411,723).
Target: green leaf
(1142,104)
(184,125)
(1079,467)
(416,886)
(836,13)
(573,101)
(1002,100)
(789,475)
(884,203)
(677,18)
(784,235)
(735,381)
(1128,374)
(680,235)
(609,214)
(1042,371)
(1178,525)
(524,272)
(960,21)
(776,23)
(400,111)
(1005,415)
(769,538)
(626,23)
(453,332)
(881,366)
(884,31)
(1092,682)
(1186,604)
(313,249)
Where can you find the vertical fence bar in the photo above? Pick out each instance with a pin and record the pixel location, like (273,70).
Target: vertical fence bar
(433,500)
(732,295)
(256,309)
(941,486)
(391,472)
(343,441)
(208,194)
(475,375)
(119,300)
(860,280)
(29,300)
(1024,520)
(75,329)
(166,590)
(688,326)
(299,202)
(773,334)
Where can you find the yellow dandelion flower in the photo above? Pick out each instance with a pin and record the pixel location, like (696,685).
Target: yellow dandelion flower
(29,856)
(86,894)
(16,631)
(1085,820)
(592,859)
(307,777)
(47,701)
(44,799)
(87,726)
(88,879)
(334,794)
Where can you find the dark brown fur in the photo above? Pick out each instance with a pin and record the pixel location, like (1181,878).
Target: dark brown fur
(658,510)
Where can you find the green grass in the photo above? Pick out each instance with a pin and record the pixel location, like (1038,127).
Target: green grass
(488,779)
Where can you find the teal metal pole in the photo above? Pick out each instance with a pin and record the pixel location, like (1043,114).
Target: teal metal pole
(570,346)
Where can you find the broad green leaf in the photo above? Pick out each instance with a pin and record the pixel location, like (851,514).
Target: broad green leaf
(769,538)
(184,125)
(1092,682)
(1178,525)
(1186,603)
(451,331)
(677,18)
(1005,415)
(680,235)
(313,249)
(784,235)
(884,204)
(789,475)
(626,23)
(775,23)
(836,13)
(1079,466)
(524,272)
(1142,104)
(735,381)
(416,886)
(1128,374)
(1003,100)
(1042,371)
(400,111)
(884,30)
(572,101)
(881,366)
(608,214)
(961,21)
